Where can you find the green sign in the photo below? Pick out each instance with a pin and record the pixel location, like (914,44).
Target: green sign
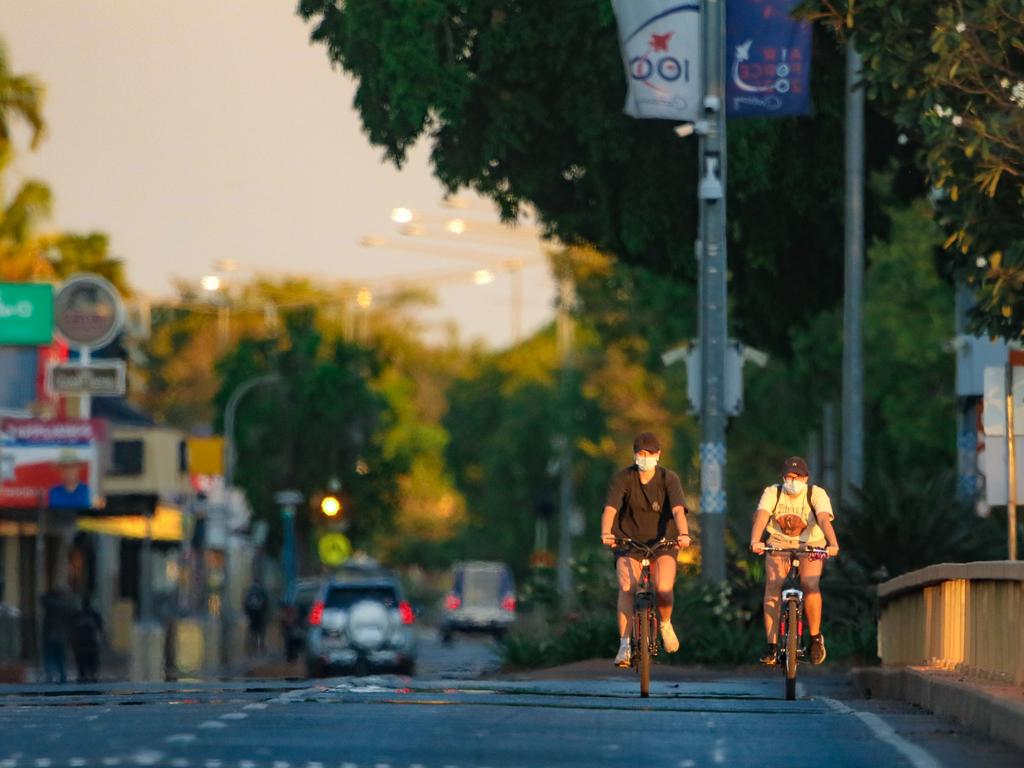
(26,313)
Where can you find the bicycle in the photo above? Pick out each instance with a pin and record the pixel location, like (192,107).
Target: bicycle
(644,637)
(791,615)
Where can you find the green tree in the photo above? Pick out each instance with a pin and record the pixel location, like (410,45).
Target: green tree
(950,73)
(523,102)
(21,99)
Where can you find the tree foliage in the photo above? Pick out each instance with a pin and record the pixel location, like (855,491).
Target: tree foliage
(523,102)
(950,73)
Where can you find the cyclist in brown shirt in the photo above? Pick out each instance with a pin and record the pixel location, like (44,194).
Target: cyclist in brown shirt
(645,503)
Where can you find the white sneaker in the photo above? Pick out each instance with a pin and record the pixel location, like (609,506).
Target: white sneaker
(625,656)
(668,638)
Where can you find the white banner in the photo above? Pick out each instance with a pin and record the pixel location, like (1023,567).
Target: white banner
(660,41)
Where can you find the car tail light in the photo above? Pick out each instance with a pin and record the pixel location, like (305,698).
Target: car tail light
(508,603)
(316,613)
(453,602)
(406,612)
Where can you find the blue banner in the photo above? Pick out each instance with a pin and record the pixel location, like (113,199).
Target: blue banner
(768,59)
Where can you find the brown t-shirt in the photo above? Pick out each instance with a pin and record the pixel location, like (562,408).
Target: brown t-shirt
(645,510)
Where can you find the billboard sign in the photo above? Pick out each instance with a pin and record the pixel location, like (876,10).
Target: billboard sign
(51,464)
(26,314)
(88,311)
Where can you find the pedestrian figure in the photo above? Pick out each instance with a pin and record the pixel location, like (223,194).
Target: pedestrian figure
(55,627)
(88,640)
(256,610)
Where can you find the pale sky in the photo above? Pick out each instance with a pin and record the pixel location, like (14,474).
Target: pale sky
(193,131)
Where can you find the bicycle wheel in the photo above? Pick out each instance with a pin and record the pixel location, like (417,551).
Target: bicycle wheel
(792,624)
(644,643)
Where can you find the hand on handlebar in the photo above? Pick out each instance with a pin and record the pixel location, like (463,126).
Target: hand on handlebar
(757,547)
(833,551)
(608,539)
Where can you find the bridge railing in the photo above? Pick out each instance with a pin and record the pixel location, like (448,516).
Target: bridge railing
(966,617)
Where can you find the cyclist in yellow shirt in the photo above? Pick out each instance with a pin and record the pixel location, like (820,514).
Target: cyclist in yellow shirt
(793,514)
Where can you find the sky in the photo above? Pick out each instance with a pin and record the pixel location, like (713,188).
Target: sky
(198,131)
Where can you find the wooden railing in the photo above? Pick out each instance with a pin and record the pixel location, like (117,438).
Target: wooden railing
(967,617)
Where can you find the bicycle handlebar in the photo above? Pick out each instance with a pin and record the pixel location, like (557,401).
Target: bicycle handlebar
(648,549)
(821,552)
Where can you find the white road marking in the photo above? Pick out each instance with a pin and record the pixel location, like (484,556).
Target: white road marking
(213,724)
(77,762)
(234,716)
(181,738)
(256,705)
(147,757)
(314,765)
(918,757)
(111,760)
(349,765)
(44,762)
(687,764)
(281,764)
(213,764)
(246,764)
(11,763)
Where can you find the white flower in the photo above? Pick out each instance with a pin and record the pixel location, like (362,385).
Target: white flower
(961,27)
(1005,82)
(902,139)
(957,120)
(1017,95)
(981,262)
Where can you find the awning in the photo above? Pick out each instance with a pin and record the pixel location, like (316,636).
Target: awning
(167,525)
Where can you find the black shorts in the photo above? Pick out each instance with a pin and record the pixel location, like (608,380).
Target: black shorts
(633,554)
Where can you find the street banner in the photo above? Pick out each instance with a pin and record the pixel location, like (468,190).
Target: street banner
(660,43)
(54,464)
(768,59)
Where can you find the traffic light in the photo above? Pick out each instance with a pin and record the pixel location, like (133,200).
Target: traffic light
(330,505)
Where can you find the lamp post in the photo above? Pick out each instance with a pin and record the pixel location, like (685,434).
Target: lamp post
(229,477)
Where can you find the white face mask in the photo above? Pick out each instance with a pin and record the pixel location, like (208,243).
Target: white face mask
(794,487)
(645,463)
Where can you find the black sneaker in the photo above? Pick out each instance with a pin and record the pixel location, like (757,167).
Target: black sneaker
(818,653)
(771,657)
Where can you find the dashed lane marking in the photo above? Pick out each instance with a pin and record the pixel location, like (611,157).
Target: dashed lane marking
(180,762)
(44,762)
(213,724)
(77,762)
(181,738)
(255,705)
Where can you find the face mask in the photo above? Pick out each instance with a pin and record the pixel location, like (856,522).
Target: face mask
(645,463)
(793,487)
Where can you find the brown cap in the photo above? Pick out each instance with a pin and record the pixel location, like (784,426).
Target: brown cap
(646,441)
(795,465)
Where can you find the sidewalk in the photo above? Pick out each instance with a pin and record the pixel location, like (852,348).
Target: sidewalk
(991,708)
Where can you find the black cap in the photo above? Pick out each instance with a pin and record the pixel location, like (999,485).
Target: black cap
(796,466)
(646,441)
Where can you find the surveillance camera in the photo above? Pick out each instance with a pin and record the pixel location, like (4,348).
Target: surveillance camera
(712,104)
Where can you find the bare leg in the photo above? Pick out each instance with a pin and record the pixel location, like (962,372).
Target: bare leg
(664,576)
(628,571)
(810,583)
(776,568)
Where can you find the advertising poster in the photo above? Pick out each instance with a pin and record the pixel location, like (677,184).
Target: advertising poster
(54,464)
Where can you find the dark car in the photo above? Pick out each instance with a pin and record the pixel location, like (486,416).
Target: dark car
(361,624)
(482,599)
(294,611)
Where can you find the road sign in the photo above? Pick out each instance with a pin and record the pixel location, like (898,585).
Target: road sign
(26,314)
(88,311)
(334,548)
(993,412)
(101,378)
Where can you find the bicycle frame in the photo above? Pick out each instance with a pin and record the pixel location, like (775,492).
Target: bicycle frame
(645,621)
(790,637)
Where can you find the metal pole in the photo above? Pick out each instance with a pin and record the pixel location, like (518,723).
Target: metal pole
(1011,466)
(226,613)
(288,549)
(713,293)
(853,362)
(565,494)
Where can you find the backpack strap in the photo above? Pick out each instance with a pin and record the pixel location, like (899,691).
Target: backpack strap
(778,495)
(810,503)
